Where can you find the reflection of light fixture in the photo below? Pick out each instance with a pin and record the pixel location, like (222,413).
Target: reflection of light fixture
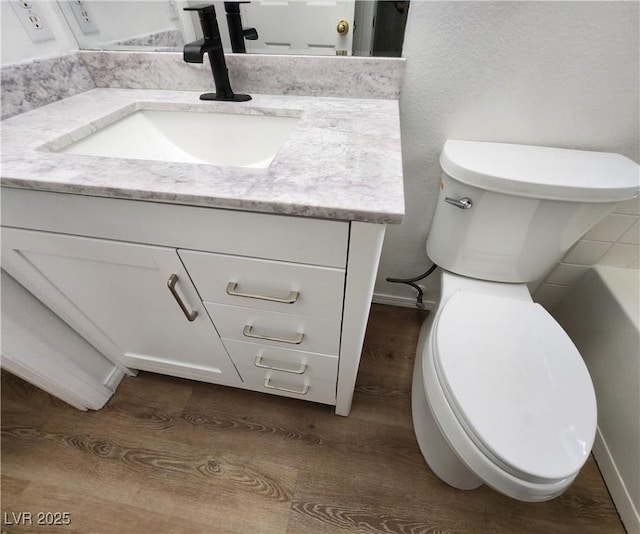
(343,27)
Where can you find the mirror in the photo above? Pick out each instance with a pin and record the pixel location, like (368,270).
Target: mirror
(328,27)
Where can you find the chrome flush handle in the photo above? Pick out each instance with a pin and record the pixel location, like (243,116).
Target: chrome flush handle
(463,203)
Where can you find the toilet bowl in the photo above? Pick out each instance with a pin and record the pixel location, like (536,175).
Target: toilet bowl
(500,394)
(504,390)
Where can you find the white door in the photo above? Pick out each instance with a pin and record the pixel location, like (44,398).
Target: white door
(300,27)
(117,295)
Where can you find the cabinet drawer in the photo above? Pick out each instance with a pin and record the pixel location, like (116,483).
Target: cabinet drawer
(293,362)
(264,284)
(305,387)
(241,233)
(276,329)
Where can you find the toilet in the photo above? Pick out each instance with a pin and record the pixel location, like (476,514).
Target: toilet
(500,394)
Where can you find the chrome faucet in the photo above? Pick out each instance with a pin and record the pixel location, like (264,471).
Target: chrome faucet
(211,44)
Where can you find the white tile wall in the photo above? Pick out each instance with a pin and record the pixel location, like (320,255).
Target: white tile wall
(587,252)
(614,241)
(611,228)
(566,274)
(620,255)
(632,235)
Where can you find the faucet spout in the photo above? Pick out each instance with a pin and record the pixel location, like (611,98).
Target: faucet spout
(194,52)
(211,44)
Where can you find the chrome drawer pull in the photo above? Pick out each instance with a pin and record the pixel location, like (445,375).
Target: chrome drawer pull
(248,332)
(300,370)
(463,203)
(289,299)
(171,284)
(304,391)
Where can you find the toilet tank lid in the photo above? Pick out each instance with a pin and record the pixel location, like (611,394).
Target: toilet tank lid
(542,172)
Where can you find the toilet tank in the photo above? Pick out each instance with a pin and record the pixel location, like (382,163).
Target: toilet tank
(508,213)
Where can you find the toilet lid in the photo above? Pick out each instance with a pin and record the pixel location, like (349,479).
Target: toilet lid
(517,384)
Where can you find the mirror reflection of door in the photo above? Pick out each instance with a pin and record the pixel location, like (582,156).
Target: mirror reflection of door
(300,27)
(375,27)
(307,27)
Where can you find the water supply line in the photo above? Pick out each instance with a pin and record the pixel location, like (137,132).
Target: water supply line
(412,282)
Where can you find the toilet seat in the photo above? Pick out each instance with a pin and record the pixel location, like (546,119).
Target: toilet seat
(516,384)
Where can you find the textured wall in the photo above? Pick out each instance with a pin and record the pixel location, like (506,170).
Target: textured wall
(560,74)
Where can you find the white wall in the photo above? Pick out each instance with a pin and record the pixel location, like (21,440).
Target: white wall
(16,43)
(114,20)
(613,242)
(561,74)
(121,20)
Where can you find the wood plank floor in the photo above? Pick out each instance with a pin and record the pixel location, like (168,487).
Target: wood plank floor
(170,455)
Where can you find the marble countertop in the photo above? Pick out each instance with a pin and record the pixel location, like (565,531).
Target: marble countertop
(343,160)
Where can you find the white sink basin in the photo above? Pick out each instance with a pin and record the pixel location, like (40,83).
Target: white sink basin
(190,137)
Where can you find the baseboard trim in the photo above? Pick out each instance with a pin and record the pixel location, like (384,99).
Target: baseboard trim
(113,380)
(63,380)
(404,302)
(616,486)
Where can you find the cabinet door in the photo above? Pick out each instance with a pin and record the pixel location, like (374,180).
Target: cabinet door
(117,295)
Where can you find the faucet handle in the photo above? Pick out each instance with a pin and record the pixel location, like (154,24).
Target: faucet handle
(234,7)
(250,33)
(208,20)
(201,7)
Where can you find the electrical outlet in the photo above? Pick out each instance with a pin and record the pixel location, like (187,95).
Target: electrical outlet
(83,16)
(33,21)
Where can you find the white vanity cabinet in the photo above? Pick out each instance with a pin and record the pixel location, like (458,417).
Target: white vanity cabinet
(137,300)
(271,303)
